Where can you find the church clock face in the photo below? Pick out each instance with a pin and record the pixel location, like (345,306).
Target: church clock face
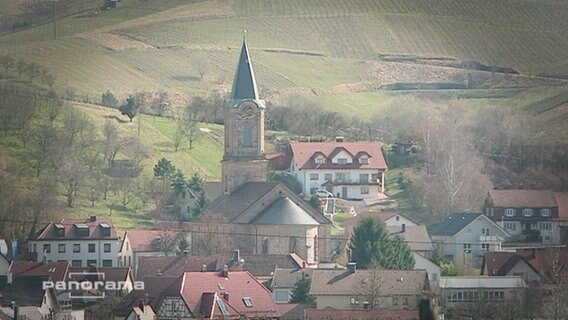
(247,109)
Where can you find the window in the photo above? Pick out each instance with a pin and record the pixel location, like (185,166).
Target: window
(76,247)
(47,248)
(91,247)
(545,226)
(314,176)
(76,263)
(485,231)
(341,161)
(248,302)
(91,263)
(510,226)
(364,160)
(328,177)
(107,263)
(61,248)
(363,177)
(527,212)
(107,247)
(510,212)
(354,301)
(247,135)
(342,176)
(364,190)
(316,248)
(34,247)
(320,160)
(282,296)
(395,301)
(485,247)
(404,301)
(545,212)
(467,247)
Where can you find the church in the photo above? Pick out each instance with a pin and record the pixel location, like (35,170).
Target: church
(260,216)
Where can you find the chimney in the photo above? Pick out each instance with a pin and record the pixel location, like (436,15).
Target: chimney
(93,218)
(339,139)
(203,268)
(403,228)
(237,255)
(352,267)
(226,296)
(225,272)
(365,304)
(348,253)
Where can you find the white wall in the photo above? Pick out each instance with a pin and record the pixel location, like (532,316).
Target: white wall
(99,255)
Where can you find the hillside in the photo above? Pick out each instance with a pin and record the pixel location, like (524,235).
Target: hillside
(318,49)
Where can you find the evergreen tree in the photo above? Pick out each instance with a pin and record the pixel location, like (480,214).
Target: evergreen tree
(163,170)
(371,246)
(178,182)
(200,205)
(301,291)
(195,183)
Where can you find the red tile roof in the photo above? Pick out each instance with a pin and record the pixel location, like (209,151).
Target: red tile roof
(522,198)
(71,231)
(562,202)
(57,270)
(304,154)
(361,314)
(233,289)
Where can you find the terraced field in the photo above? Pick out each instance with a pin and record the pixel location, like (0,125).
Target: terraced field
(299,46)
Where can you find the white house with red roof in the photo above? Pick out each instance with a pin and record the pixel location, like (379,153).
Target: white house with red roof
(81,242)
(350,170)
(216,295)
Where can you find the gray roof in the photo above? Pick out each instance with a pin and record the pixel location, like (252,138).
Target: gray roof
(484,282)
(230,206)
(244,85)
(453,224)
(287,278)
(284,211)
(416,237)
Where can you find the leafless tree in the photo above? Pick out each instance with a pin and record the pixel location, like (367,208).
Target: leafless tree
(370,288)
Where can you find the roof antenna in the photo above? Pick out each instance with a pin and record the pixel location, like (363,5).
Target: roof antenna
(244,34)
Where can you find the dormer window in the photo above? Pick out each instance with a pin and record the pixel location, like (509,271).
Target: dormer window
(320,160)
(59,230)
(105,229)
(364,160)
(510,212)
(527,212)
(82,229)
(545,212)
(342,161)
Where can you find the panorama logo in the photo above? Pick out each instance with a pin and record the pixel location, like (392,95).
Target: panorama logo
(90,285)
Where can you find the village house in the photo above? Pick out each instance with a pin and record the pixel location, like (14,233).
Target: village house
(215,295)
(506,263)
(464,237)
(530,215)
(151,243)
(82,242)
(349,170)
(284,281)
(354,289)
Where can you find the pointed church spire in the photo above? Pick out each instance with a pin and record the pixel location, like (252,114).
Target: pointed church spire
(244,85)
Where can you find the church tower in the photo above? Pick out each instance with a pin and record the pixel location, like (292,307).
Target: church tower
(244,158)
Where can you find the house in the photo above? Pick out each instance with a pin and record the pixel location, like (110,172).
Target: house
(482,296)
(142,312)
(502,264)
(148,296)
(353,289)
(261,266)
(361,314)
(122,276)
(4,268)
(214,295)
(284,281)
(434,270)
(533,215)
(350,170)
(394,219)
(465,237)
(82,242)
(25,287)
(150,243)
